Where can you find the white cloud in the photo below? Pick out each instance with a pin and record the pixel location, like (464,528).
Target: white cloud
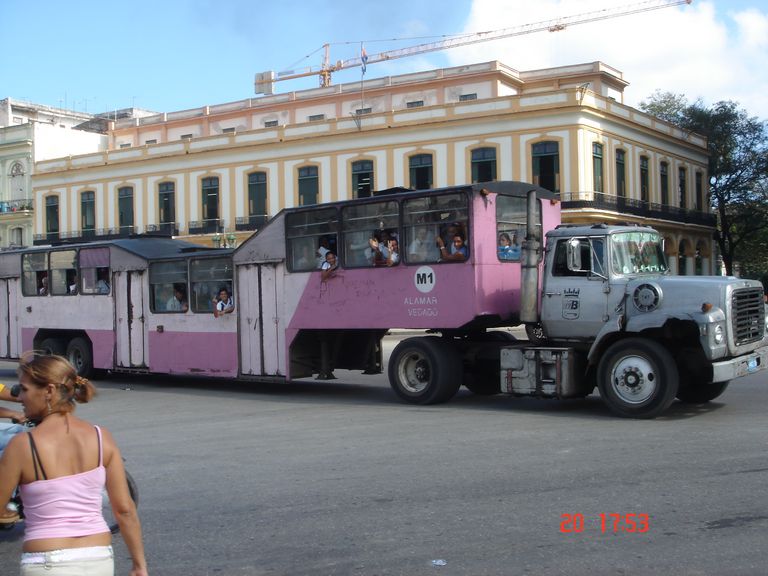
(699,50)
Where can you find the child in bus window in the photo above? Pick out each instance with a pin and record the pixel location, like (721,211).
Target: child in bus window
(458,252)
(43,290)
(223,303)
(102,285)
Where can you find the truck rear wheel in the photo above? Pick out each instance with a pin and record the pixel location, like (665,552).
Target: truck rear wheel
(637,378)
(80,356)
(53,346)
(701,393)
(425,370)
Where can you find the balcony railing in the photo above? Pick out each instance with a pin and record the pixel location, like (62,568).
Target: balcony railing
(631,206)
(169,228)
(211,226)
(253,222)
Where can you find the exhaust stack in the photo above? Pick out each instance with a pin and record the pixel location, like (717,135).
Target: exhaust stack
(529,289)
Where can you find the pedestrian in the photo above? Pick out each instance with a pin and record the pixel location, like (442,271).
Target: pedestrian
(61,468)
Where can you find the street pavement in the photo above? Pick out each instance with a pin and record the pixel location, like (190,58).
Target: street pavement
(338,478)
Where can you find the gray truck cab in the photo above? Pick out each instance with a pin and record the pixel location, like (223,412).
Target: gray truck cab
(648,336)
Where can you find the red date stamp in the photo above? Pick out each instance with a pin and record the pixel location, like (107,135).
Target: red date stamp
(608,522)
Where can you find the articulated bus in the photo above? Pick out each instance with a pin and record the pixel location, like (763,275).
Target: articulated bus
(144,304)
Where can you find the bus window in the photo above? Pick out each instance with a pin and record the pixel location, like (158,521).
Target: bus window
(427,218)
(63,273)
(34,274)
(365,222)
(309,235)
(168,286)
(208,276)
(511,226)
(94,271)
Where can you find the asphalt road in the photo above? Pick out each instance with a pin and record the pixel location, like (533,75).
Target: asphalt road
(335,478)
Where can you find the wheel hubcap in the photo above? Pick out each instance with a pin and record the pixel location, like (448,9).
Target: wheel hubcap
(633,379)
(414,373)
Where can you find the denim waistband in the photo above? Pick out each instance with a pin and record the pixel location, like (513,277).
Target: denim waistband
(67,555)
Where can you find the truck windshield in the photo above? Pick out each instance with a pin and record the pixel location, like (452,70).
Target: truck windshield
(637,253)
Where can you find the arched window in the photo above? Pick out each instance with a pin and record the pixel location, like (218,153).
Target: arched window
(257,197)
(362,178)
(52,217)
(210,197)
(681,258)
(483,165)
(420,171)
(88,213)
(546,165)
(166,207)
(125,209)
(309,185)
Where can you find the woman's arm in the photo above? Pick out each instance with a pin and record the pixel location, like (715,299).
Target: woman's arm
(123,506)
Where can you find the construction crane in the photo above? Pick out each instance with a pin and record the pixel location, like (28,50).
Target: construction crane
(264,82)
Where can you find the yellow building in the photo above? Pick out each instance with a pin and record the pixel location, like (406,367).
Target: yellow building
(217,173)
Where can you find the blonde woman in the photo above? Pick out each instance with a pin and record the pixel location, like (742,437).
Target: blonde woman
(61,467)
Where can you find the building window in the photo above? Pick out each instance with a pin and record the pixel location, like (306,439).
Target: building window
(465,97)
(682,188)
(210,191)
(186,136)
(270,123)
(664,182)
(362,178)
(18,120)
(420,167)
(166,204)
(644,190)
(597,166)
(414,104)
(700,192)
(125,145)
(257,194)
(88,213)
(316,117)
(228,131)
(17,237)
(151,141)
(621,174)
(125,209)
(681,258)
(546,165)
(483,165)
(361,111)
(309,185)
(52,216)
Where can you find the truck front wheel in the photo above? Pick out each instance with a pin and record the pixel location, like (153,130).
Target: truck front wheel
(425,370)
(637,378)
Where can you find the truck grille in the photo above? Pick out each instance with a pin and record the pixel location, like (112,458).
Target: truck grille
(748,315)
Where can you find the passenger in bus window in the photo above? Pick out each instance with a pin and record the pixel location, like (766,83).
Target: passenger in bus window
(43,290)
(422,247)
(394,252)
(102,285)
(72,282)
(322,251)
(458,252)
(223,303)
(509,248)
(329,266)
(304,261)
(177,302)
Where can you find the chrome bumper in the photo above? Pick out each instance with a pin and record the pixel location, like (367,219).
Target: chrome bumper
(751,363)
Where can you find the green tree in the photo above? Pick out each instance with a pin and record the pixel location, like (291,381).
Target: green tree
(738,171)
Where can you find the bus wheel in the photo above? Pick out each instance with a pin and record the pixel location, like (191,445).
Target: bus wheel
(80,356)
(637,378)
(53,346)
(701,393)
(425,370)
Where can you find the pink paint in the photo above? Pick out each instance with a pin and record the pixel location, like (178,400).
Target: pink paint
(197,353)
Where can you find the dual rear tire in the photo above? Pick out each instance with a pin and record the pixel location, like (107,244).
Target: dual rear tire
(425,370)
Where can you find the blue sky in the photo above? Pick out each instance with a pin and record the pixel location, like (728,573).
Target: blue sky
(171,55)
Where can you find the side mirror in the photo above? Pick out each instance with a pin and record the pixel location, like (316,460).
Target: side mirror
(574,255)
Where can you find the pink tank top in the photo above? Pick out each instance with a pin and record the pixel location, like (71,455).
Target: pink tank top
(67,506)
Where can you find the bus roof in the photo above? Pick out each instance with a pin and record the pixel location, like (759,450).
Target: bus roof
(146,247)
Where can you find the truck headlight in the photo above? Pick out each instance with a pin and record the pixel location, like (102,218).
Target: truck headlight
(717,334)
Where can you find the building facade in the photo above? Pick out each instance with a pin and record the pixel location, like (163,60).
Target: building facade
(217,173)
(30,133)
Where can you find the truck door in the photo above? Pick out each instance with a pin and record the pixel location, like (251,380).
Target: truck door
(575,298)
